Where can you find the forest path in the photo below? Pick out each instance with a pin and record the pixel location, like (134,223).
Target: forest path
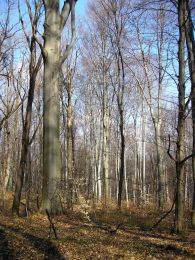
(27,238)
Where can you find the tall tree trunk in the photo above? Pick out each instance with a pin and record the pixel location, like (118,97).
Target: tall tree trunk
(120,95)
(160,165)
(143,155)
(51,115)
(70,142)
(189,30)
(126,180)
(33,70)
(180,153)
(54,23)
(122,155)
(158,122)
(135,176)
(105,148)
(99,180)
(7,161)
(117,166)
(105,106)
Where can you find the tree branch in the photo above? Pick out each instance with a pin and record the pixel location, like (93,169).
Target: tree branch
(165,215)
(23,27)
(187,157)
(168,151)
(30,12)
(34,134)
(38,65)
(174,159)
(43,51)
(73,31)
(65,13)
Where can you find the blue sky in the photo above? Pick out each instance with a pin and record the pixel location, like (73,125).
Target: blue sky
(81,7)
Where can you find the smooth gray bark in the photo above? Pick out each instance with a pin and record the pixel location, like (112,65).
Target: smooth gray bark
(53,60)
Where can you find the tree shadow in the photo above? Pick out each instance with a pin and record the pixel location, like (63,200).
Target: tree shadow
(43,245)
(5,251)
(160,236)
(169,247)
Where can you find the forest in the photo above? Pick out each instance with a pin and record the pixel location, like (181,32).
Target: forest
(97,129)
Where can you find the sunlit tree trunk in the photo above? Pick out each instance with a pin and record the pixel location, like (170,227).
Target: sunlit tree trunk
(105,143)
(7,161)
(143,155)
(126,180)
(156,119)
(135,176)
(99,182)
(158,122)
(54,23)
(51,144)
(105,113)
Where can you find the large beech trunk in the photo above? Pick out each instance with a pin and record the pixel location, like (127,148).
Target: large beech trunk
(51,115)
(54,23)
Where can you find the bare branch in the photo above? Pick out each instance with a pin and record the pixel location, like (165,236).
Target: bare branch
(9,114)
(165,215)
(35,132)
(187,158)
(43,51)
(73,31)
(168,150)
(23,27)
(36,69)
(65,13)
(30,12)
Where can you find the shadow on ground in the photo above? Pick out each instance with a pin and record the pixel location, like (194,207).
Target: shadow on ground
(43,245)
(5,251)
(166,247)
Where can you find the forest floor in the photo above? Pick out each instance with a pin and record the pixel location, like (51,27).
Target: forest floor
(105,235)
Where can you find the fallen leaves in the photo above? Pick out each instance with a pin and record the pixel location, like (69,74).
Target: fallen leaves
(27,238)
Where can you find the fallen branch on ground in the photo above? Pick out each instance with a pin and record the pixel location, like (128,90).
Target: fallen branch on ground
(110,229)
(164,216)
